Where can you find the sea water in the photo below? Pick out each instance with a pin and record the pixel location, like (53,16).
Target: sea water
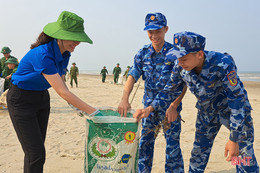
(244,75)
(249,76)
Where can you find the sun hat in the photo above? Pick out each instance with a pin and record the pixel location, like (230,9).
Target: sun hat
(12,61)
(69,26)
(6,50)
(187,42)
(154,21)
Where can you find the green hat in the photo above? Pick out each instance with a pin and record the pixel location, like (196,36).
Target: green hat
(73,63)
(12,61)
(69,26)
(128,66)
(117,64)
(6,50)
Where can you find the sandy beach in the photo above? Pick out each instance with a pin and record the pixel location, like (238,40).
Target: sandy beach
(66,130)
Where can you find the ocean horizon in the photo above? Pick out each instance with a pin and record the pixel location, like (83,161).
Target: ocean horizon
(244,75)
(249,76)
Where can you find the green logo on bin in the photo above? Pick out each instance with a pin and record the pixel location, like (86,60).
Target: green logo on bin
(103,149)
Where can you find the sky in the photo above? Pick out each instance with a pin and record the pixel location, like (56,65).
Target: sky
(116,27)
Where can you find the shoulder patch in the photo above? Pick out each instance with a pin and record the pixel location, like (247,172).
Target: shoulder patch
(232,77)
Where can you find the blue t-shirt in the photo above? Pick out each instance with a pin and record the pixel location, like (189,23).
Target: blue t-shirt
(46,59)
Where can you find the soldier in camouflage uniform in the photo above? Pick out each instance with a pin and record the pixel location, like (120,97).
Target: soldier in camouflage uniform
(104,73)
(4,70)
(116,72)
(222,100)
(74,72)
(12,64)
(126,72)
(148,63)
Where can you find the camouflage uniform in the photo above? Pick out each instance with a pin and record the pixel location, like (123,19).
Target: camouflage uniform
(149,64)
(6,71)
(10,61)
(74,71)
(126,72)
(104,73)
(4,68)
(222,100)
(116,72)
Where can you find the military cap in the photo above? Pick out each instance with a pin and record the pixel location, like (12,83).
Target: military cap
(6,50)
(12,61)
(154,21)
(187,42)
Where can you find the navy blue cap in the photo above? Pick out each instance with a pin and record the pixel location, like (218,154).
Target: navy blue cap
(187,42)
(154,21)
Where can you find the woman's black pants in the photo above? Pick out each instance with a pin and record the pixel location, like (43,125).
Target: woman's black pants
(29,112)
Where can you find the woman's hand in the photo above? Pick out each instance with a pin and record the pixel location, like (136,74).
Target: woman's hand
(60,87)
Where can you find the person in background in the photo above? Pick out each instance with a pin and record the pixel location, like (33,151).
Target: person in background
(104,73)
(126,72)
(4,70)
(116,72)
(149,63)
(13,65)
(28,98)
(74,72)
(221,100)
(65,75)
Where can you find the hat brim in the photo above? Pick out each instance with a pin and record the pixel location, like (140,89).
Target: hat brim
(16,63)
(6,51)
(177,53)
(152,27)
(53,30)
(11,62)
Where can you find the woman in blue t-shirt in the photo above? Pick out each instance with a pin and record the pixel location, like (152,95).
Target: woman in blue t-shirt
(41,68)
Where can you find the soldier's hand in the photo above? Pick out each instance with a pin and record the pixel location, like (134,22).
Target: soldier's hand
(8,77)
(231,150)
(142,113)
(123,107)
(171,114)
